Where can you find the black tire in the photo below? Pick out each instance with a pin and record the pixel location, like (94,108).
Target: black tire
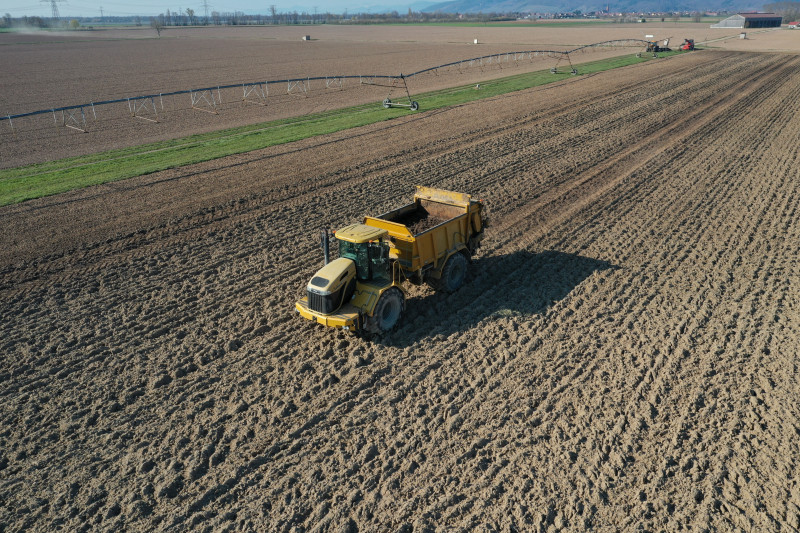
(387,103)
(387,313)
(414,106)
(453,274)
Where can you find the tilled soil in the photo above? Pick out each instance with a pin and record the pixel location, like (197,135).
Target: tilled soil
(42,72)
(623,356)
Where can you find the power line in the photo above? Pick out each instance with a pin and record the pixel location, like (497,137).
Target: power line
(53,7)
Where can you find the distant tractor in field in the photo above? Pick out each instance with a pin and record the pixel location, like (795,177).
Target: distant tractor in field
(654,47)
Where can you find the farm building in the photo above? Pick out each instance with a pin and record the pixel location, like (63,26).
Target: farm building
(750,20)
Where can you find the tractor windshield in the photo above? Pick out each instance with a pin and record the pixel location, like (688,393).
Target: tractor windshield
(359,254)
(371,258)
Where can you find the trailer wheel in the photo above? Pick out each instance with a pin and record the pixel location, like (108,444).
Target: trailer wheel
(387,103)
(414,106)
(453,274)
(387,313)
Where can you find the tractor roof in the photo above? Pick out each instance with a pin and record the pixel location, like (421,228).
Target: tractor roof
(358,233)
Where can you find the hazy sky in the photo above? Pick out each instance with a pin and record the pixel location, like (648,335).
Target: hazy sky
(82,8)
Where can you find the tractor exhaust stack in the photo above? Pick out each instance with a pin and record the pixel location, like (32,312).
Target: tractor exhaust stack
(326,247)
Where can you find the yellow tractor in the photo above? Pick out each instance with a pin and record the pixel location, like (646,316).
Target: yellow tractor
(430,240)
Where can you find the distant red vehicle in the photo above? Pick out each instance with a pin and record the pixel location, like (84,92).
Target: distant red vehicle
(688,44)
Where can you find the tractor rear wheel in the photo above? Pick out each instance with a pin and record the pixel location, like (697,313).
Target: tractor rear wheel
(387,312)
(453,274)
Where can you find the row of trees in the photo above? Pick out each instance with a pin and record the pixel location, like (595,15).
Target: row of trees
(189,17)
(38,22)
(237,18)
(27,22)
(790,11)
(393,17)
(627,19)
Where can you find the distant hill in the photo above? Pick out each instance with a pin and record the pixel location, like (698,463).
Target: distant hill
(626,6)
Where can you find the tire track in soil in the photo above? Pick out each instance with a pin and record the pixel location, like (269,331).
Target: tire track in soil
(362,439)
(389,162)
(144,251)
(625,315)
(500,377)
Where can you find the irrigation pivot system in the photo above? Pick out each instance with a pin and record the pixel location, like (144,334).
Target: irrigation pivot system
(208,99)
(387,102)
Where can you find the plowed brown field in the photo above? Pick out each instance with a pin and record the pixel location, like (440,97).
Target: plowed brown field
(41,72)
(623,357)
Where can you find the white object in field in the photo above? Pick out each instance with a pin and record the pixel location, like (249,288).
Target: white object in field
(742,36)
(475,41)
(306,37)
(648,36)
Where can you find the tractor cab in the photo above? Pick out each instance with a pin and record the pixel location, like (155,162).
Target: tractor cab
(367,248)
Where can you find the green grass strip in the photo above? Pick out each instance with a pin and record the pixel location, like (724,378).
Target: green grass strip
(43,179)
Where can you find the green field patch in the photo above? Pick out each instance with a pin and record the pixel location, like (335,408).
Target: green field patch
(43,179)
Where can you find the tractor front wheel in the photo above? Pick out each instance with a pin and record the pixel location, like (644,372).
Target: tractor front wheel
(387,312)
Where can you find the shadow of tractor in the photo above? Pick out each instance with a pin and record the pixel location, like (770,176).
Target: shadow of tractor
(519,284)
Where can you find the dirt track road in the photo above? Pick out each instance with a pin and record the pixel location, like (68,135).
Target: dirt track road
(624,355)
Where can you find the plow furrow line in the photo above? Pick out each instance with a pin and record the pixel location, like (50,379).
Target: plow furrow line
(252,206)
(676,133)
(500,377)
